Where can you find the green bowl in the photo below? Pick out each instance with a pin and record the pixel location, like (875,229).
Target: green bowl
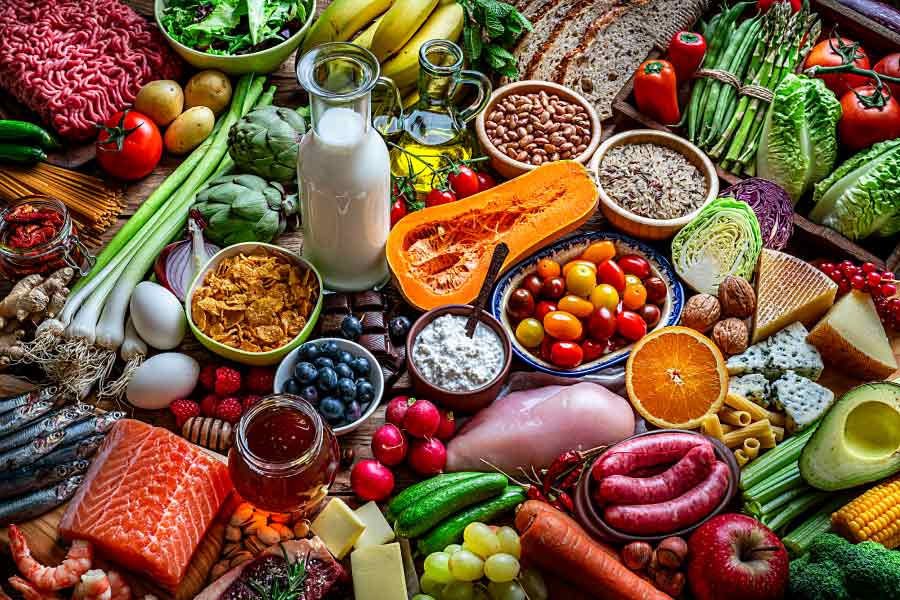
(256,359)
(264,61)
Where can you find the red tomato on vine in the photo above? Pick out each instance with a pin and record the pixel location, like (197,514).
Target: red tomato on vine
(870,115)
(463,181)
(129,145)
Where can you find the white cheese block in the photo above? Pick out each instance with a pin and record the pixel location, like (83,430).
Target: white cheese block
(753,387)
(852,338)
(789,351)
(338,527)
(378,573)
(378,531)
(753,360)
(803,401)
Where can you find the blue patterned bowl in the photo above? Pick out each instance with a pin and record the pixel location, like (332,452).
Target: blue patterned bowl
(569,249)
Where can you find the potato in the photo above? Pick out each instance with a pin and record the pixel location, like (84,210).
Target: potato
(188,130)
(210,89)
(161,100)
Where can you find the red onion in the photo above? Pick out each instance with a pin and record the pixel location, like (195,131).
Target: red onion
(179,262)
(772,207)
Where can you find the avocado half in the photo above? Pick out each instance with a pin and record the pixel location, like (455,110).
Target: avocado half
(858,440)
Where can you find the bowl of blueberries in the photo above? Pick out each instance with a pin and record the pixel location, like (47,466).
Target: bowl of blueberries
(339,377)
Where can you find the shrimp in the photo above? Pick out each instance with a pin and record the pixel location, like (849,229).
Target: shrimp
(94,585)
(77,563)
(30,592)
(120,589)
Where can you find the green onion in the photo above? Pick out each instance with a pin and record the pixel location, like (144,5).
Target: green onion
(795,508)
(799,539)
(782,481)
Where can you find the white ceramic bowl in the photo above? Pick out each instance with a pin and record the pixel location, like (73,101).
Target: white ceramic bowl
(286,368)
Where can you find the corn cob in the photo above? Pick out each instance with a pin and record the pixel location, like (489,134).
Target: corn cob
(873,516)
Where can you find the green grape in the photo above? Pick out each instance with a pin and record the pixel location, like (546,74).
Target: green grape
(430,585)
(481,593)
(533,584)
(466,566)
(480,539)
(509,590)
(458,590)
(438,564)
(452,549)
(422,597)
(509,541)
(501,567)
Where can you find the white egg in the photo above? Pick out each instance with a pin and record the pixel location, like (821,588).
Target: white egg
(162,379)
(158,316)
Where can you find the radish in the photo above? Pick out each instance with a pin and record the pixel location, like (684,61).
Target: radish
(396,410)
(389,445)
(447,427)
(371,480)
(422,418)
(427,457)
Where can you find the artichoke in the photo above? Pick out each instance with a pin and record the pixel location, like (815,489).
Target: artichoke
(265,142)
(244,208)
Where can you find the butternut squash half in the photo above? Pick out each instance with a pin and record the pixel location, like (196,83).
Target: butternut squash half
(440,255)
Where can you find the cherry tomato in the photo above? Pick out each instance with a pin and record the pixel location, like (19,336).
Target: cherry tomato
(547,267)
(520,304)
(610,272)
(463,181)
(602,324)
(553,288)
(485,181)
(543,307)
(566,354)
(530,333)
(656,290)
(868,117)
(632,280)
(831,53)
(635,296)
(635,265)
(576,305)
(581,281)
(563,326)
(575,263)
(546,346)
(437,197)
(605,295)
(599,252)
(398,210)
(631,326)
(592,349)
(129,145)
(650,313)
(890,66)
(533,284)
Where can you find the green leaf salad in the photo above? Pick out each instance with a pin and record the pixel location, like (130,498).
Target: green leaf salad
(229,27)
(798,146)
(862,197)
(723,239)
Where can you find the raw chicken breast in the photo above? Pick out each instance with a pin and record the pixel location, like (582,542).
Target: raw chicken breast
(533,427)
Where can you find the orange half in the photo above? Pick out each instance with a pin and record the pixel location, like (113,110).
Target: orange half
(675,377)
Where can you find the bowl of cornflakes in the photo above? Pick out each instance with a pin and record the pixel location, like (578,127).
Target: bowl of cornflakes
(253,303)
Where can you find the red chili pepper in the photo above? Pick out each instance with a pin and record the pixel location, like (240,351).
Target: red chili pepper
(535,493)
(566,501)
(656,92)
(558,466)
(572,478)
(686,50)
(30,227)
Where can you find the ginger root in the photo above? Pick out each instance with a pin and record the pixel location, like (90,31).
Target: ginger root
(32,295)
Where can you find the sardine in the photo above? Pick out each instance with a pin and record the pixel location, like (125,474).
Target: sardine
(18,418)
(13,402)
(37,503)
(34,478)
(26,455)
(55,421)
(85,448)
(99,424)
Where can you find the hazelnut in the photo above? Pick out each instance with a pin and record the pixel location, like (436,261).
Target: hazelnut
(701,312)
(669,582)
(636,555)
(737,297)
(731,336)
(671,552)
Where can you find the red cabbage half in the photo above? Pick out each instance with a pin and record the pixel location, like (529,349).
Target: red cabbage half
(772,206)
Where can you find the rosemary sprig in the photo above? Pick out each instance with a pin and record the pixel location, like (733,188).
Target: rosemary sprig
(284,588)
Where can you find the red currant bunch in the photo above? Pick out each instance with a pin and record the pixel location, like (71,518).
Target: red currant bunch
(867,278)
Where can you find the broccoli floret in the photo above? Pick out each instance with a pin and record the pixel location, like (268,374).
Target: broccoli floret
(873,572)
(835,569)
(829,546)
(816,581)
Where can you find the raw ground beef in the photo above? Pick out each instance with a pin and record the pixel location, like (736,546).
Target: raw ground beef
(76,62)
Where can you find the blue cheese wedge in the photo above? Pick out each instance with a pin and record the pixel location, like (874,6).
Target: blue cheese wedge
(789,351)
(803,401)
(754,359)
(754,387)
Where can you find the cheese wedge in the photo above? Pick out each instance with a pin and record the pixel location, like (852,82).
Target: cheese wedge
(851,338)
(378,573)
(378,531)
(338,527)
(788,289)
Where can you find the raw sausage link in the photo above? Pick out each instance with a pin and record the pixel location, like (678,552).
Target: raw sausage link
(666,517)
(646,451)
(693,468)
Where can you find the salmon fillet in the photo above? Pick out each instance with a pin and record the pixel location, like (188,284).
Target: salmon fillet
(148,498)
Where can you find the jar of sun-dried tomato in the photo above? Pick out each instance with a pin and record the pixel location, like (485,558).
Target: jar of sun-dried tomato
(37,235)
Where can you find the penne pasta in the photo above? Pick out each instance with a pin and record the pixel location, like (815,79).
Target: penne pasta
(751,448)
(761,430)
(757,412)
(738,418)
(779,433)
(741,456)
(712,427)
(726,428)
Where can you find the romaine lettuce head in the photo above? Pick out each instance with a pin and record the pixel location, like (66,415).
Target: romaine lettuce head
(723,239)
(798,146)
(862,196)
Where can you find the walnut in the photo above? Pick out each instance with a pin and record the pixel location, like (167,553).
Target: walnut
(737,297)
(701,312)
(731,335)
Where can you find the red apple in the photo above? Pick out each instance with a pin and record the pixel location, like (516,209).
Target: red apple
(733,556)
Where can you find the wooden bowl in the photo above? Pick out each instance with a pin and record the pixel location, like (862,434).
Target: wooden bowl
(509,167)
(464,402)
(587,515)
(645,227)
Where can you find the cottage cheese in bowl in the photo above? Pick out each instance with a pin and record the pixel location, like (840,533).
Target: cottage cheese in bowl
(448,359)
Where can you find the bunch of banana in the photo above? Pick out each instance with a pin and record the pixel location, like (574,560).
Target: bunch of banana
(394,30)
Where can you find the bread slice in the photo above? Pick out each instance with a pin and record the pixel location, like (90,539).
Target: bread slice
(549,17)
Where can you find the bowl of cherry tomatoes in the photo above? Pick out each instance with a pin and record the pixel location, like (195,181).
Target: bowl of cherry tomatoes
(577,306)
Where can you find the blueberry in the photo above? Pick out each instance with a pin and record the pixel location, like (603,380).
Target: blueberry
(323,361)
(330,349)
(351,328)
(332,409)
(310,394)
(309,352)
(365,391)
(326,379)
(292,386)
(346,389)
(353,411)
(345,357)
(360,365)
(398,327)
(305,372)
(343,370)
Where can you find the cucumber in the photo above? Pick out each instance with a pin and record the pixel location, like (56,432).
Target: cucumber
(419,491)
(21,155)
(23,132)
(450,531)
(434,508)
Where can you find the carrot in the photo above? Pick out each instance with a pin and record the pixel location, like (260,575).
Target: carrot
(557,544)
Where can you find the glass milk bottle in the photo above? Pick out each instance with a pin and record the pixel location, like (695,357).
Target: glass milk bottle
(343,168)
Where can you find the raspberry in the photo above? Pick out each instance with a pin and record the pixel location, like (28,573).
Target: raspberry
(249,400)
(229,410)
(184,410)
(208,377)
(260,380)
(228,381)
(208,405)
